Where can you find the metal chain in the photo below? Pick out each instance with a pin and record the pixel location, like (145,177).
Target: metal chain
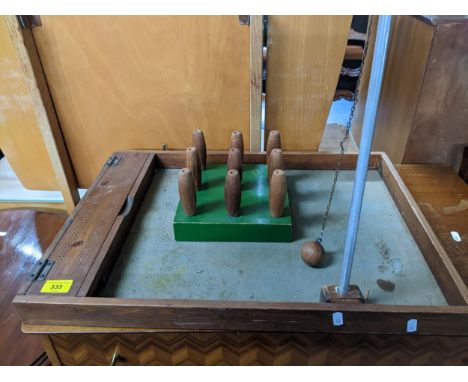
(347,128)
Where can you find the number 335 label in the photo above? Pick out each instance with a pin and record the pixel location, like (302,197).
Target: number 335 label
(57,286)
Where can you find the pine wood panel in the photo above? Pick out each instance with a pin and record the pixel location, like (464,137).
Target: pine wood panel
(44,112)
(141,82)
(408,50)
(259,349)
(256,79)
(20,135)
(305,54)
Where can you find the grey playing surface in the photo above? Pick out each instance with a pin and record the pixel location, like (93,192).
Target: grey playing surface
(387,262)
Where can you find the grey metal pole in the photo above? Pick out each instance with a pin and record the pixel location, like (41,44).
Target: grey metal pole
(375,84)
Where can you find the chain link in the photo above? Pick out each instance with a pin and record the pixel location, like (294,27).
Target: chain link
(347,131)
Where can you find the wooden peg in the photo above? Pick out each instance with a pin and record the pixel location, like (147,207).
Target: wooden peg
(277,193)
(232,192)
(193,163)
(276,162)
(273,142)
(198,141)
(238,142)
(234,161)
(187,192)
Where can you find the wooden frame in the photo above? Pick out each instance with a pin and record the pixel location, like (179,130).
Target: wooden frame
(82,313)
(185,315)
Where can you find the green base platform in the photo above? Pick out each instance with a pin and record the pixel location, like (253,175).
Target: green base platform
(212,222)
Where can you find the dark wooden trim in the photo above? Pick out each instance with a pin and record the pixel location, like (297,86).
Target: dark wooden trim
(448,278)
(293,160)
(239,315)
(436,20)
(425,19)
(325,161)
(60,329)
(463,171)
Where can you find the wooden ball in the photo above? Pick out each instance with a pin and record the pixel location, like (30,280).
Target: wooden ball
(312,253)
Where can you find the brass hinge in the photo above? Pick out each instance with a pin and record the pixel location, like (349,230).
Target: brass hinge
(244,19)
(29,21)
(113,161)
(41,270)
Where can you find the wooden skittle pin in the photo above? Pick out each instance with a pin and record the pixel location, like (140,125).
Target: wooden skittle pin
(238,141)
(277,193)
(198,141)
(273,142)
(187,192)
(276,162)
(232,192)
(193,163)
(234,161)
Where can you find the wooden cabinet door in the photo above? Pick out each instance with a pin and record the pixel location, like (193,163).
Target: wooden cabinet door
(20,136)
(144,82)
(305,54)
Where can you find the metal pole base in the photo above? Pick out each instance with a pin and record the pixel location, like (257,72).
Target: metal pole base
(329,293)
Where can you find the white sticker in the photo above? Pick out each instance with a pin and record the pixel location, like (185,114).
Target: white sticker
(412,325)
(337,319)
(455,236)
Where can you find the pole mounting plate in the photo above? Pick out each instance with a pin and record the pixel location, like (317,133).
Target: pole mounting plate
(329,293)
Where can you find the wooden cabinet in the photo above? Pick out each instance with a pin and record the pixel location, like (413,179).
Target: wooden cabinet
(422,110)
(255,348)
(20,135)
